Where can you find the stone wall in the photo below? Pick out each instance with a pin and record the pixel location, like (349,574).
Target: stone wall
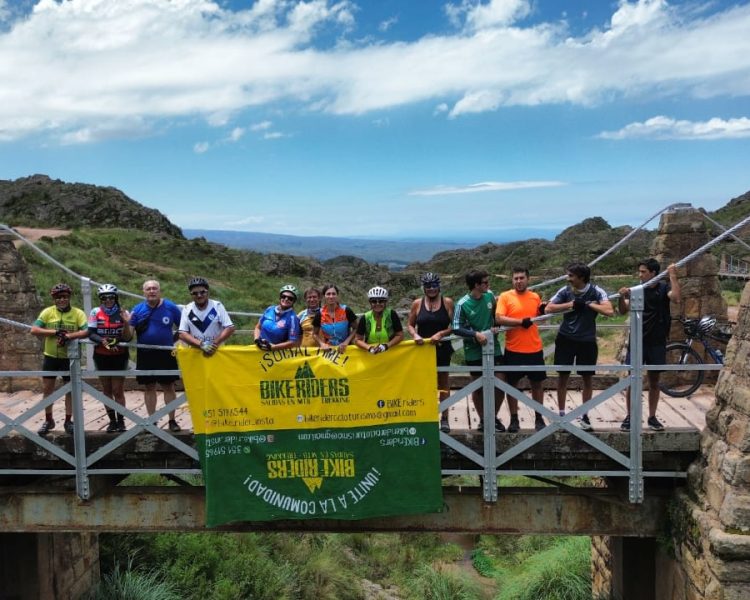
(711,520)
(680,233)
(19,350)
(48,565)
(601,566)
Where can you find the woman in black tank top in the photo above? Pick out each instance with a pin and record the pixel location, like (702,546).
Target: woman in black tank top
(430,318)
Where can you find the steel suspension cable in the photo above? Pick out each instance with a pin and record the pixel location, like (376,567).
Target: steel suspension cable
(617,245)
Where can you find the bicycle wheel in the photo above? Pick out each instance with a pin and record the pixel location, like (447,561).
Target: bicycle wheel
(679,384)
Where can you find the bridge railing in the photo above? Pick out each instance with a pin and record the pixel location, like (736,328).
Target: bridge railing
(489,464)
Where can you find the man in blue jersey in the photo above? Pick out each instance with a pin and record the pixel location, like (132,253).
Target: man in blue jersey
(154,321)
(582,302)
(474,320)
(204,323)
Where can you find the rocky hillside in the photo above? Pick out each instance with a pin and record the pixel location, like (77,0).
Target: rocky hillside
(582,242)
(39,201)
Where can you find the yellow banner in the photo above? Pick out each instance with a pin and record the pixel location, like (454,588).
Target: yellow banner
(244,389)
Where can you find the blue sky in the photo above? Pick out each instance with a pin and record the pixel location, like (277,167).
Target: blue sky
(383,118)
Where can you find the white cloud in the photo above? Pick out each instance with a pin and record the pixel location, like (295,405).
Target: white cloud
(236,134)
(666,128)
(245,221)
(201,147)
(474,14)
(262,126)
(72,67)
(485,186)
(274,135)
(387,24)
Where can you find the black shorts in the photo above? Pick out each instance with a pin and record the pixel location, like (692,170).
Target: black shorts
(111,362)
(572,352)
(50,363)
(153,360)
(444,351)
(655,354)
(478,363)
(524,358)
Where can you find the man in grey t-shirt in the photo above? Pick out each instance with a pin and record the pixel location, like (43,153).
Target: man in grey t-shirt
(582,302)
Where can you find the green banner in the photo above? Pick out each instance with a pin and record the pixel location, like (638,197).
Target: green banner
(305,434)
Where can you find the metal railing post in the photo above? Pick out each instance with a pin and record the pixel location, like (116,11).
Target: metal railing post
(489,488)
(87,306)
(635,480)
(79,434)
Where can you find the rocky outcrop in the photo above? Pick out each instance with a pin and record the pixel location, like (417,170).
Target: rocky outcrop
(39,201)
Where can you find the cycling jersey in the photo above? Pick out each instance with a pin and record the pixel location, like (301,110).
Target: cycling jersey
(279,326)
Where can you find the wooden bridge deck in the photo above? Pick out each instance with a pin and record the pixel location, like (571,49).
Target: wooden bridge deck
(675,413)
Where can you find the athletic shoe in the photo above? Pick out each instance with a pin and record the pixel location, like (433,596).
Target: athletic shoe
(539,423)
(499,427)
(625,425)
(173,426)
(68,427)
(121,424)
(112,427)
(655,424)
(48,425)
(513,426)
(584,423)
(444,425)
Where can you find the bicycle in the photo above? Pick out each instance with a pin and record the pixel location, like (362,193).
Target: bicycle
(679,384)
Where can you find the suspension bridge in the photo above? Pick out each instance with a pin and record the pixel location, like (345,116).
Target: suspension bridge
(67,483)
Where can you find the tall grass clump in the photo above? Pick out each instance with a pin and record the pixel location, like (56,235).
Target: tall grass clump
(437,583)
(131,584)
(559,572)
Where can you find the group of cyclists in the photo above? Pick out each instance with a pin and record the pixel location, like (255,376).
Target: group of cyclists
(327,323)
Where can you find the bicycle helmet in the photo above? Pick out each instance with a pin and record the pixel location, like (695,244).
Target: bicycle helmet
(107,289)
(60,288)
(378,292)
(430,277)
(197,281)
(706,324)
(289,288)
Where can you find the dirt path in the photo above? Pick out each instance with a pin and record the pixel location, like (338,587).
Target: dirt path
(33,234)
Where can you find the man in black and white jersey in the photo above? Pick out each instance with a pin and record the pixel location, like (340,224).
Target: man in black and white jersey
(205,323)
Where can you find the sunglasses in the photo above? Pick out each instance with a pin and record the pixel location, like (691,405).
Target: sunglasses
(199,293)
(62,297)
(108,297)
(290,298)
(431,286)
(485,282)
(377,301)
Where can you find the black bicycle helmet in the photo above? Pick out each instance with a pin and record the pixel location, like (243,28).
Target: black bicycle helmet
(60,288)
(197,281)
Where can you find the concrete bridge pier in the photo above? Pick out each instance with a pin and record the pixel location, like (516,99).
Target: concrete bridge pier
(48,565)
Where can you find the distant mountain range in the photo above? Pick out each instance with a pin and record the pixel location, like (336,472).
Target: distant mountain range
(395,253)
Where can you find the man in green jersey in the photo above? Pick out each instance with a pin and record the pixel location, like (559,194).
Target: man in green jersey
(474,320)
(56,325)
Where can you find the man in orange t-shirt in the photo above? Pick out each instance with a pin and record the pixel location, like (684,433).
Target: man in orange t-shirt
(523,344)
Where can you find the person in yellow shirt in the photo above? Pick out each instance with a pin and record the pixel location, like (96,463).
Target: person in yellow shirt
(523,344)
(57,325)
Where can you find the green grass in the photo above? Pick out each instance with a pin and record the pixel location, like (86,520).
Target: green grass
(130,584)
(536,567)
(219,566)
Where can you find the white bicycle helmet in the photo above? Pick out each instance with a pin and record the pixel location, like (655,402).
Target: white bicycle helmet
(378,292)
(106,289)
(289,288)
